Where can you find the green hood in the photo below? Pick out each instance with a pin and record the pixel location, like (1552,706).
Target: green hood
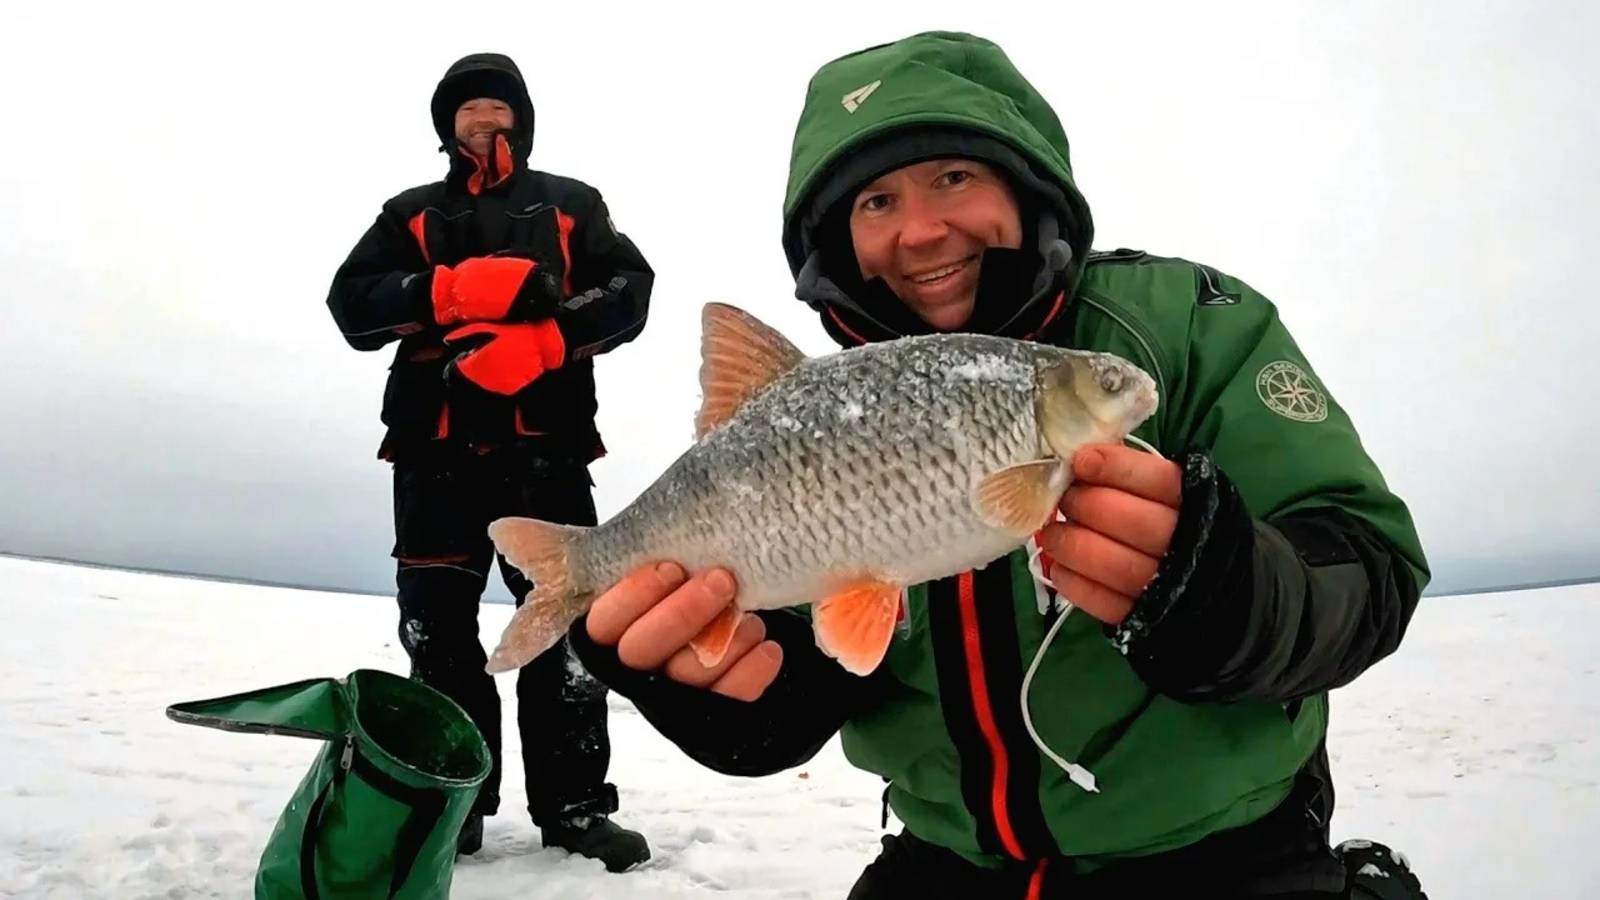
(929,95)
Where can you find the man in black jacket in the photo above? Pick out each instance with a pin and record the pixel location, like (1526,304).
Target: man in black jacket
(501,285)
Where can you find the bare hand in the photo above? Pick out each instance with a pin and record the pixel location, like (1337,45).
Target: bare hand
(651,614)
(1121,510)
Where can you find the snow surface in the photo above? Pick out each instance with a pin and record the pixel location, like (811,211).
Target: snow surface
(1476,751)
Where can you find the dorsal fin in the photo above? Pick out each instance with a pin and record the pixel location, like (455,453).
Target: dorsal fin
(739,355)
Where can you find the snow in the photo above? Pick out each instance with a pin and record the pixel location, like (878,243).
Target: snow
(991,367)
(1475,750)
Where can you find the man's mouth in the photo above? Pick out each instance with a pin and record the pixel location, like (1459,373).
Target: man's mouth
(941,274)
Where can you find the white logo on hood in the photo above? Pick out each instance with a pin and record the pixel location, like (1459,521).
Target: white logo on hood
(853,100)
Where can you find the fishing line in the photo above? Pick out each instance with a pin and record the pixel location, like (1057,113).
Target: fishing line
(1080,776)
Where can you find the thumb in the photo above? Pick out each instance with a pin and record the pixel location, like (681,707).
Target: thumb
(461,334)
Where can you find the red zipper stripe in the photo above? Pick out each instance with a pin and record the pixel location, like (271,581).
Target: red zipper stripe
(985,714)
(845,328)
(1036,883)
(419,230)
(1049,317)
(564,226)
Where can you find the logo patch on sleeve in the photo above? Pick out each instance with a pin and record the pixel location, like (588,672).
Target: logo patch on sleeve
(1291,392)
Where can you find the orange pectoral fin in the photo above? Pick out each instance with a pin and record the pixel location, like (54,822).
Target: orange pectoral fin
(856,624)
(711,644)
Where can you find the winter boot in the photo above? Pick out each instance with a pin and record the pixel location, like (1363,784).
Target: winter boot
(470,840)
(597,837)
(1378,873)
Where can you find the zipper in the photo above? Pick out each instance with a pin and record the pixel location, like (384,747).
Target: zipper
(984,712)
(1036,882)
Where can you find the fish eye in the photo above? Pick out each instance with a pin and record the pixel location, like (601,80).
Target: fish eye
(1111,380)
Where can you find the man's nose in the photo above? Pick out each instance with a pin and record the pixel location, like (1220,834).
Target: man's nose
(921,223)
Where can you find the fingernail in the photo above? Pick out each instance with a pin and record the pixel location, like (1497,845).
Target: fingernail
(670,572)
(721,583)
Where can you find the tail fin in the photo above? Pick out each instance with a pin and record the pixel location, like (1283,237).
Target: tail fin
(542,551)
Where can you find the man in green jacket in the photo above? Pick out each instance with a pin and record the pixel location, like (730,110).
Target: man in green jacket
(1229,583)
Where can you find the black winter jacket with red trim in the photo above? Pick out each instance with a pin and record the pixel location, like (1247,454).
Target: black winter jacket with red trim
(383,293)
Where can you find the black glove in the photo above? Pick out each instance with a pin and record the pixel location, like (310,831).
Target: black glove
(1192,615)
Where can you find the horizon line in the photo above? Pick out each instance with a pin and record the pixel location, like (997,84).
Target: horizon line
(327,589)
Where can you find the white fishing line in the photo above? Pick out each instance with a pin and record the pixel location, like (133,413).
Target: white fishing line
(1142,444)
(1080,776)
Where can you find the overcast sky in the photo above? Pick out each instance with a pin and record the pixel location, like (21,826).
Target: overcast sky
(1413,184)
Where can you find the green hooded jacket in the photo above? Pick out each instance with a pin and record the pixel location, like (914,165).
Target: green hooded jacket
(962,771)
(1291,570)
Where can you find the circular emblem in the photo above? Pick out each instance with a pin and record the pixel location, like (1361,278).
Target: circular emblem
(1287,390)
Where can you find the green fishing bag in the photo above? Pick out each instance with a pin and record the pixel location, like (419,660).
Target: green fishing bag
(378,813)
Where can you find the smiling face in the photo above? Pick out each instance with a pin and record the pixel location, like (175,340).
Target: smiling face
(478,120)
(923,229)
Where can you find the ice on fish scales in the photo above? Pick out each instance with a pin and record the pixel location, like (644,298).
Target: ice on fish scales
(837,481)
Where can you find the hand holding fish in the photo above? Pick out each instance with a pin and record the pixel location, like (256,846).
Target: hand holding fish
(1121,511)
(653,612)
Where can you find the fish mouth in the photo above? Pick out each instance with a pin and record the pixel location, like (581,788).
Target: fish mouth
(1148,397)
(1142,405)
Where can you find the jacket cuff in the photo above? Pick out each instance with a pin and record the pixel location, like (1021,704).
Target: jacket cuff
(1185,627)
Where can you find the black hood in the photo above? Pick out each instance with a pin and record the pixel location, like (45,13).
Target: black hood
(483,75)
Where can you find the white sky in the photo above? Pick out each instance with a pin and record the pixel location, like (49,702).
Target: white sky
(1413,184)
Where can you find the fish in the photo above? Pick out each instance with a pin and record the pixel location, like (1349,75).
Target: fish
(838,480)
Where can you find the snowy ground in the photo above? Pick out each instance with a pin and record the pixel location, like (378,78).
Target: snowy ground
(1476,751)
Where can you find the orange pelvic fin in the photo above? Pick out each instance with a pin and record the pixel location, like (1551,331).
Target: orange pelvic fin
(711,644)
(855,625)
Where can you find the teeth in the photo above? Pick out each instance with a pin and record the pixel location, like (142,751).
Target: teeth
(937,274)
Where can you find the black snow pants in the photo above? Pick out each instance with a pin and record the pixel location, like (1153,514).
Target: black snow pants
(444,500)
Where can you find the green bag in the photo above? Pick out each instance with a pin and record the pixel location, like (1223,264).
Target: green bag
(378,813)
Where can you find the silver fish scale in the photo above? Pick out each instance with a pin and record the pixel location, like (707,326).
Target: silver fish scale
(858,464)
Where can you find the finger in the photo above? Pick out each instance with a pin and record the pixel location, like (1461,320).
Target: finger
(752,674)
(466,332)
(685,666)
(667,626)
(1135,471)
(1098,558)
(1094,598)
(1144,525)
(627,600)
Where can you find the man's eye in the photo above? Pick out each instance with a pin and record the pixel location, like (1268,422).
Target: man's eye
(957,176)
(875,202)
